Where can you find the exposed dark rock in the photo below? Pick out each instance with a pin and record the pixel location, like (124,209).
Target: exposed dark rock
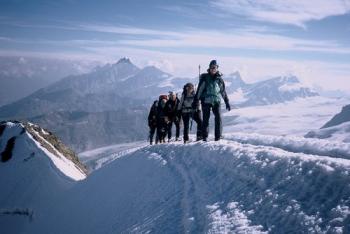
(55,146)
(343,116)
(7,153)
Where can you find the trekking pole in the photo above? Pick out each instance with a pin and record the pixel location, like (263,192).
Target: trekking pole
(199,71)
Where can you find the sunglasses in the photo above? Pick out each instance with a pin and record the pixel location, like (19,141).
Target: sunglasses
(213,68)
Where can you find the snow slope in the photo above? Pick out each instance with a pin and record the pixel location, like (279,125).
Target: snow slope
(243,184)
(31,176)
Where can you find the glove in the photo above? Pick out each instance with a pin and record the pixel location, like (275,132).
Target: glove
(228,107)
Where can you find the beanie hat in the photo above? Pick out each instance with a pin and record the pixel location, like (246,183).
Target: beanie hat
(213,63)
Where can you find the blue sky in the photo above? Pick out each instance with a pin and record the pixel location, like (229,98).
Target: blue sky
(310,39)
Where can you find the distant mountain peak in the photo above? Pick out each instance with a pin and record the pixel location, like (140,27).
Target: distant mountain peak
(124,60)
(152,69)
(289,79)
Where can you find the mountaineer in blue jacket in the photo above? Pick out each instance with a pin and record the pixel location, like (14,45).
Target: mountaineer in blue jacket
(211,88)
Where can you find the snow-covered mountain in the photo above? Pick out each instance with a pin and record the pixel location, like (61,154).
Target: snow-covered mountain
(35,168)
(107,88)
(267,92)
(247,183)
(115,97)
(338,128)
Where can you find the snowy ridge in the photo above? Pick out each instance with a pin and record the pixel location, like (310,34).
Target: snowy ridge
(66,166)
(288,191)
(295,144)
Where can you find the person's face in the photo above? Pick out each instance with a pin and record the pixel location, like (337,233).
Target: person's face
(163,103)
(172,97)
(189,89)
(213,69)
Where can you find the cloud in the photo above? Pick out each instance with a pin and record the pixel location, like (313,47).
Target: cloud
(249,37)
(239,39)
(291,12)
(125,30)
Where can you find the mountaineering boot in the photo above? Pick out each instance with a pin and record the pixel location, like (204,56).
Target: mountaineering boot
(218,138)
(199,138)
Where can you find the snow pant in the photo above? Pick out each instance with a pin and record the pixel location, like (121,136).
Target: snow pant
(206,108)
(177,126)
(196,116)
(152,130)
(161,131)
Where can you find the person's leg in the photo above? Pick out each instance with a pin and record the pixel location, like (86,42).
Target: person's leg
(151,134)
(218,122)
(186,121)
(177,125)
(169,127)
(206,116)
(197,116)
(165,133)
(158,133)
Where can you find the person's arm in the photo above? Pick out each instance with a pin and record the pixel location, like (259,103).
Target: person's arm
(200,88)
(151,116)
(150,113)
(179,107)
(224,94)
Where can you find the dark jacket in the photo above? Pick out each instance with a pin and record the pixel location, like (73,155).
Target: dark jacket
(162,118)
(210,88)
(171,109)
(152,116)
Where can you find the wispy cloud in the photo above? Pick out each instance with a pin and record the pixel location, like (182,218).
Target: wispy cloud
(246,38)
(239,39)
(291,12)
(250,37)
(125,30)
